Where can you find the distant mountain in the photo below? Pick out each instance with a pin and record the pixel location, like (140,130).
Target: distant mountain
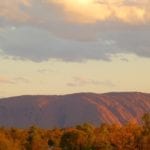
(68,110)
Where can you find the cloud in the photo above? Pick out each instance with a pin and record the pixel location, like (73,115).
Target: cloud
(14,10)
(42,46)
(21,80)
(80,81)
(4,80)
(40,30)
(45,12)
(43,70)
(129,11)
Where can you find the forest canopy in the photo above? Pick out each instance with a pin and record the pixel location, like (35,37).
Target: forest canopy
(130,136)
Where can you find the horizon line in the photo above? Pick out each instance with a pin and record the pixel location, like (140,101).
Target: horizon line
(75,93)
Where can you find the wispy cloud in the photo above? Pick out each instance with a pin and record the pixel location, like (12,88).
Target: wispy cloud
(5,80)
(80,81)
(21,80)
(9,80)
(44,70)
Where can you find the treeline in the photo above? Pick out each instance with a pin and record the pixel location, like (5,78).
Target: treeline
(130,136)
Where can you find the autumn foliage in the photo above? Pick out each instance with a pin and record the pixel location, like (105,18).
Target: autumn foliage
(130,136)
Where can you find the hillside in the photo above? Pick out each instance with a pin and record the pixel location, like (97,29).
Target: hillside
(68,110)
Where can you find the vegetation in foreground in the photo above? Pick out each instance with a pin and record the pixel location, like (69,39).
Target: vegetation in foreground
(130,136)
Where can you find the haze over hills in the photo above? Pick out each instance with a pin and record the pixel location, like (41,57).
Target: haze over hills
(73,109)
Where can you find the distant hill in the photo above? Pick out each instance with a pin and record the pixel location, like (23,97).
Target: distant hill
(68,110)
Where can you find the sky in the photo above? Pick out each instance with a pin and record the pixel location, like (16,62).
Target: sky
(67,46)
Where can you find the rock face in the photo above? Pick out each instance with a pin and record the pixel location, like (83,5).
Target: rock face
(73,109)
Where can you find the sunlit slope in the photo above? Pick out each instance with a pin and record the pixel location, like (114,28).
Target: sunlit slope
(68,110)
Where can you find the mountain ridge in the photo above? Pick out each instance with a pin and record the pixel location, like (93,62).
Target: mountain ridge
(72,109)
(113,92)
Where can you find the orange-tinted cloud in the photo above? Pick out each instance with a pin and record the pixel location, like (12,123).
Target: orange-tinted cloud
(89,11)
(74,30)
(82,11)
(11,10)
(5,80)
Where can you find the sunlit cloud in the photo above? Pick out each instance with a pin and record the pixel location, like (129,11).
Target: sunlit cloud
(81,11)
(74,30)
(14,10)
(89,11)
(47,45)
